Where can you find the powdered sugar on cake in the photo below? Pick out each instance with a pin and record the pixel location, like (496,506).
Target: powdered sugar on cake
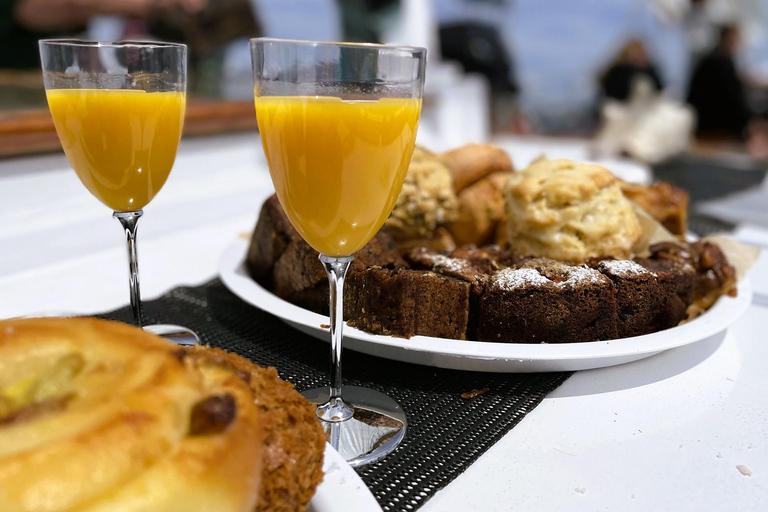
(623,268)
(510,278)
(582,274)
(448,264)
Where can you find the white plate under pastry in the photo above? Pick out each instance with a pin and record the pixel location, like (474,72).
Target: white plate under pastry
(479,355)
(341,485)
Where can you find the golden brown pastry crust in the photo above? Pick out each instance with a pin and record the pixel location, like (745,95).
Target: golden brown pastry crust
(294,440)
(426,201)
(472,162)
(101,416)
(481,209)
(666,203)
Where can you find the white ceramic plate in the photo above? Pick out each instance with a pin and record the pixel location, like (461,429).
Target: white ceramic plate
(478,355)
(341,488)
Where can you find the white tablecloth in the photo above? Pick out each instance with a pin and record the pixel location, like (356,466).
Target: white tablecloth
(665,433)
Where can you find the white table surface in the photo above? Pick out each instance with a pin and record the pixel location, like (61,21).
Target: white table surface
(665,433)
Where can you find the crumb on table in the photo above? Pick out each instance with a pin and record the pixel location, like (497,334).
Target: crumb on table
(472,394)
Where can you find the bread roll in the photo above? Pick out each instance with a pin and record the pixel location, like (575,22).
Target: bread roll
(472,162)
(481,209)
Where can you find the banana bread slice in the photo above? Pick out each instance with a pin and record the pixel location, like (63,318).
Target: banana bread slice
(676,280)
(404,302)
(271,237)
(299,276)
(546,301)
(639,295)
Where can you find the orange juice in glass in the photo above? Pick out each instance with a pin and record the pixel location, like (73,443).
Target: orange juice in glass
(338,123)
(121,142)
(118,108)
(337,166)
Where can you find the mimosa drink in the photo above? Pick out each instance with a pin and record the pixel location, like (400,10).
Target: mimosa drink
(337,165)
(121,143)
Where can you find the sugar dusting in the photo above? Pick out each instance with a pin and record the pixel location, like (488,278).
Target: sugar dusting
(582,274)
(624,268)
(447,264)
(510,278)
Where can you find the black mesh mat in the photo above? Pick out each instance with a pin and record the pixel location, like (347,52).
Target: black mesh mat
(446,432)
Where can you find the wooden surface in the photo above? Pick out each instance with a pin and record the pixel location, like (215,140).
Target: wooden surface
(32,131)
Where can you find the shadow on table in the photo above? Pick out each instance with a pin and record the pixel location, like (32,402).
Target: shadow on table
(643,372)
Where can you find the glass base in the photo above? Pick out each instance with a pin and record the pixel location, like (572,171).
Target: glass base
(174,333)
(375,430)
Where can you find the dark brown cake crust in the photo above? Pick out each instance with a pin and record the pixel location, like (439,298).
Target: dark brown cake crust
(545,301)
(270,239)
(714,275)
(639,295)
(404,302)
(299,276)
(676,281)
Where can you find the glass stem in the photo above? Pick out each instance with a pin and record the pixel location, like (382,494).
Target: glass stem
(335,409)
(130,222)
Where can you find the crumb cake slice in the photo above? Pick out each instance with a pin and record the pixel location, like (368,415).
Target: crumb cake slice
(473,272)
(404,302)
(639,295)
(676,280)
(546,301)
(271,236)
(299,276)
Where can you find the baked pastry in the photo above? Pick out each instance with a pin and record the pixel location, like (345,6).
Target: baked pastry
(569,212)
(639,295)
(403,302)
(714,277)
(98,416)
(667,204)
(481,209)
(294,441)
(473,272)
(426,201)
(472,162)
(440,240)
(299,276)
(546,301)
(676,280)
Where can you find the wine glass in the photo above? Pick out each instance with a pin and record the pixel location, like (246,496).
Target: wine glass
(119,110)
(338,124)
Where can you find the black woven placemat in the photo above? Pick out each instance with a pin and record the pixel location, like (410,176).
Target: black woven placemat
(446,432)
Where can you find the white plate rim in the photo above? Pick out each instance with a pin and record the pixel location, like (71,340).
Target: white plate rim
(341,483)
(726,311)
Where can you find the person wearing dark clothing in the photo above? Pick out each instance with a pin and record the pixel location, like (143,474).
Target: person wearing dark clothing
(478,47)
(24,22)
(717,91)
(631,64)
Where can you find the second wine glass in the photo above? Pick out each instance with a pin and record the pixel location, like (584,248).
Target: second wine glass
(338,125)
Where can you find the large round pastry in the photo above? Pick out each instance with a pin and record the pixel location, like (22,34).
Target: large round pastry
(101,416)
(570,212)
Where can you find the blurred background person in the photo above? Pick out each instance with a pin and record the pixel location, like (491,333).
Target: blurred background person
(717,89)
(631,64)
(24,22)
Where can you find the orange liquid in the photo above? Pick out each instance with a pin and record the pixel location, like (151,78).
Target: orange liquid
(121,143)
(337,166)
